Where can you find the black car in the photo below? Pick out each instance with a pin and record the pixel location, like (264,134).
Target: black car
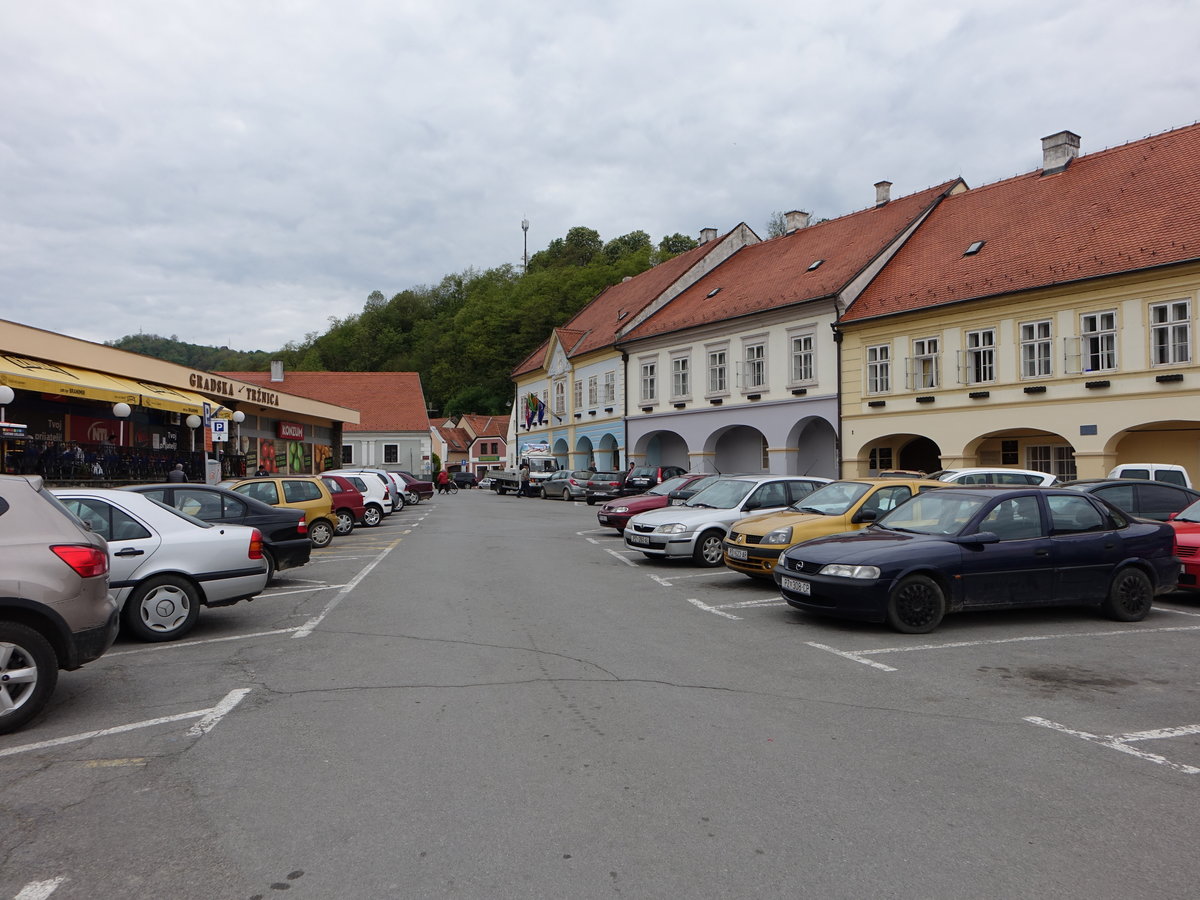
(465,479)
(958,549)
(285,535)
(640,479)
(1144,499)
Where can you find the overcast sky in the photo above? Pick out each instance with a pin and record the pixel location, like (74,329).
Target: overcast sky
(236,173)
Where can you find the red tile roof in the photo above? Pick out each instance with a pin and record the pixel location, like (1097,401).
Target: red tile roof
(597,323)
(457,439)
(486,426)
(386,401)
(778,272)
(1131,207)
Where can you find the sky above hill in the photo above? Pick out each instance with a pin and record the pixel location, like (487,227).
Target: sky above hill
(237,173)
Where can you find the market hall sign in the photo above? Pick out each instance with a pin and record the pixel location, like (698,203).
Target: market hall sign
(209,385)
(289,431)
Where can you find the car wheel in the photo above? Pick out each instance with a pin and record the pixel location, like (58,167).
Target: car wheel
(542,493)
(270,565)
(709,548)
(320,533)
(345,521)
(28,673)
(589,501)
(916,605)
(649,555)
(372,516)
(566,494)
(412,497)
(1129,597)
(163,608)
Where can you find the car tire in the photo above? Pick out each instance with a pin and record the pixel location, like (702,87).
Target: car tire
(916,605)
(320,533)
(542,493)
(1130,596)
(566,495)
(589,501)
(412,497)
(345,522)
(710,548)
(271,568)
(22,648)
(162,608)
(372,516)
(649,555)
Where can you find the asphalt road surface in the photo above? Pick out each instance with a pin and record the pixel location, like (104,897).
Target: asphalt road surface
(488,697)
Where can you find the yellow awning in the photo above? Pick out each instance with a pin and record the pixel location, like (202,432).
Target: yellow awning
(157,396)
(67,381)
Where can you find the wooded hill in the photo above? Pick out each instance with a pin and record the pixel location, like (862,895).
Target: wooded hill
(463,335)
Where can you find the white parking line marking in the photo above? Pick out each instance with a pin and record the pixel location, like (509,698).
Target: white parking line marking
(1120,742)
(300,590)
(669,580)
(628,562)
(712,609)
(747,604)
(308,627)
(847,654)
(209,718)
(1181,612)
(40,890)
(177,645)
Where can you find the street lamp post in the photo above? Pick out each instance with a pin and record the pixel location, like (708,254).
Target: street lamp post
(525,256)
(7,395)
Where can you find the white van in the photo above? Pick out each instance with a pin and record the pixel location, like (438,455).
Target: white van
(1164,472)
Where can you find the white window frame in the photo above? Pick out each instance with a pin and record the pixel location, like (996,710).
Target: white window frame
(1170,332)
(347,454)
(924,366)
(560,398)
(593,390)
(1057,459)
(681,376)
(879,369)
(980,357)
(649,379)
(754,365)
(1098,340)
(577,394)
(802,357)
(1037,348)
(396,449)
(610,388)
(718,371)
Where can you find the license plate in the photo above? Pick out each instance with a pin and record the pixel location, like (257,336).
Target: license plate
(637,538)
(795,584)
(738,553)
(602,518)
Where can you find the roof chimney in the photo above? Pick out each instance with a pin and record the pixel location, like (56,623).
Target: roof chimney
(883,192)
(707,234)
(277,370)
(795,220)
(1058,150)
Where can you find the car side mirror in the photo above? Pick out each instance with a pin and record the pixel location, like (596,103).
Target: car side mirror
(978,537)
(865,515)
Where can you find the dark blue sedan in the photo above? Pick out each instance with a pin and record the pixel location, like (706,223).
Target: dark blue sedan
(960,549)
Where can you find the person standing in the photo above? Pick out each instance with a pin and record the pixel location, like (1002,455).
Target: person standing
(443,478)
(523,488)
(177,474)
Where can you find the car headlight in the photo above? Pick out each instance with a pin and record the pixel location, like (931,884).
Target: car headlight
(672,528)
(619,509)
(840,570)
(779,536)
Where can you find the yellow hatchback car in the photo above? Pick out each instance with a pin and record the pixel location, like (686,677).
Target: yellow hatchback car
(754,544)
(298,492)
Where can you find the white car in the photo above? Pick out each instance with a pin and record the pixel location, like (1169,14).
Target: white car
(996,475)
(382,490)
(164,564)
(697,528)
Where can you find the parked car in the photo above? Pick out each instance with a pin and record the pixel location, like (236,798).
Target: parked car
(689,490)
(1187,545)
(697,528)
(298,492)
(565,484)
(996,475)
(415,489)
(1170,474)
(640,479)
(163,564)
(56,611)
(617,513)
(377,490)
(485,482)
(755,543)
(349,504)
(284,531)
(602,486)
(465,479)
(1144,499)
(957,549)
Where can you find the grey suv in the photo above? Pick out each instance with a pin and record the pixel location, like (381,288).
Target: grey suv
(55,610)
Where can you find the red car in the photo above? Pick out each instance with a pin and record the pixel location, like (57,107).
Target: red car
(416,489)
(1187,544)
(349,505)
(616,513)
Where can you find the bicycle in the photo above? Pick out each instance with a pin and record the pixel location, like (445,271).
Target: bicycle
(448,488)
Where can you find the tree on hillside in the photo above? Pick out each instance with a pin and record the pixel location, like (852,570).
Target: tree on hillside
(674,244)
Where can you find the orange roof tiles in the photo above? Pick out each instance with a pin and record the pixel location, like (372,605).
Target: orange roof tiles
(779,272)
(386,401)
(1131,207)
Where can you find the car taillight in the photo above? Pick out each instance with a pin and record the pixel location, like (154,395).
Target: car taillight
(302,525)
(256,544)
(86,560)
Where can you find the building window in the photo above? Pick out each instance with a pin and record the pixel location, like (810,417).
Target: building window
(880,459)
(981,356)
(766,456)
(879,370)
(1171,332)
(1009,454)
(1036,339)
(560,397)
(756,367)
(610,388)
(1057,459)
(803,358)
(347,454)
(391,453)
(649,381)
(578,392)
(680,383)
(593,394)
(1099,334)
(718,367)
(923,365)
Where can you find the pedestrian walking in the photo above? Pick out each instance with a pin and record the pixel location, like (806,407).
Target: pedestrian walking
(523,488)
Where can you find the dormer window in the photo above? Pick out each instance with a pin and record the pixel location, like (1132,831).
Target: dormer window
(816,264)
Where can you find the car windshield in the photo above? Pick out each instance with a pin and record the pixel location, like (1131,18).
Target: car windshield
(833,499)
(722,494)
(1189,514)
(934,512)
(671,484)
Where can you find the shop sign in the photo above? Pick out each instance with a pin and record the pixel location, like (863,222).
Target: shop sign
(208,384)
(289,431)
(12,430)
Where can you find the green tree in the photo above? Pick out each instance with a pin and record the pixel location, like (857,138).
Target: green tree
(674,244)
